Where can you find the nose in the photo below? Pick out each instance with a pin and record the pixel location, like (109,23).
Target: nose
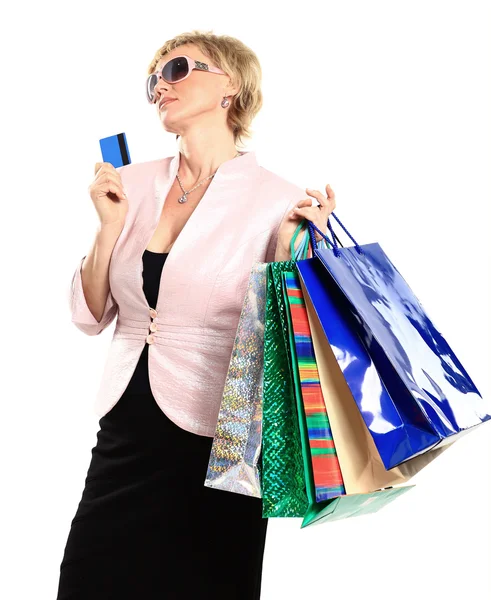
(160,87)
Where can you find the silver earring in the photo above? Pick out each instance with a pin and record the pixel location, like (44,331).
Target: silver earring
(225,102)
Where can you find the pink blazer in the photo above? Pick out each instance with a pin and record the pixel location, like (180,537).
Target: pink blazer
(202,287)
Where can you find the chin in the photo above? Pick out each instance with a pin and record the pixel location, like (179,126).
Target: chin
(167,125)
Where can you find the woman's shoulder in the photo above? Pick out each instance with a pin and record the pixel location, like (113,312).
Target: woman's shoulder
(280,188)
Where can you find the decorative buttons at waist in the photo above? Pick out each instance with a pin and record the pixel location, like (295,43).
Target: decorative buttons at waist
(153,327)
(150,339)
(153,312)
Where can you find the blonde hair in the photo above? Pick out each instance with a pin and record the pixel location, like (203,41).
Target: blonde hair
(239,62)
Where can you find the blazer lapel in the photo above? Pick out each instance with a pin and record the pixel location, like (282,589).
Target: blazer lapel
(223,207)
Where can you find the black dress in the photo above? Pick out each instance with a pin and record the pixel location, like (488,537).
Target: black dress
(147,527)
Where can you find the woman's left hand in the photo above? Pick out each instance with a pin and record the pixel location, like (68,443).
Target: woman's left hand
(304,210)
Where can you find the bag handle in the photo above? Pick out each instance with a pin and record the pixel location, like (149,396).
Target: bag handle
(306,241)
(336,251)
(306,245)
(294,237)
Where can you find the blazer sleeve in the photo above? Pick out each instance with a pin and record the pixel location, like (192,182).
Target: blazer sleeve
(80,312)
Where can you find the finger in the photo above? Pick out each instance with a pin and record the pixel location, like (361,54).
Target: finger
(106,177)
(314,214)
(330,192)
(318,195)
(307,202)
(295,210)
(324,209)
(101,165)
(308,212)
(112,186)
(105,167)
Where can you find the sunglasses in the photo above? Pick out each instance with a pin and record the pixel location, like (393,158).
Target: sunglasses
(174,70)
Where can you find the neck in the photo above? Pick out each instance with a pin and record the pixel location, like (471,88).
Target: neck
(202,152)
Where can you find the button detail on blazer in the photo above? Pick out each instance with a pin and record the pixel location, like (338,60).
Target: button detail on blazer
(153,313)
(150,339)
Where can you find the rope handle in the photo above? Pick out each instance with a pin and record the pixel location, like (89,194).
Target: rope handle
(336,251)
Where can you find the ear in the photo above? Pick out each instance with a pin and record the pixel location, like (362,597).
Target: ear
(231,89)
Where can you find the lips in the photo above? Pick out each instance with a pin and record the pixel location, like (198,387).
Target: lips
(165,102)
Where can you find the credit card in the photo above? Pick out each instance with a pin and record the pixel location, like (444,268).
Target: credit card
(115,150)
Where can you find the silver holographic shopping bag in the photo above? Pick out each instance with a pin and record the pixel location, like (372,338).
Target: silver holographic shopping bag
(235,458)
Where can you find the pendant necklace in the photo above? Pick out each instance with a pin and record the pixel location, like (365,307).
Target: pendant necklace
(184,197)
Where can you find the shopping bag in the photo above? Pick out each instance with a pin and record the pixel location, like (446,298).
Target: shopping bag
(318,448)
(411,390)
(235,458)
(335,504)
(283,479)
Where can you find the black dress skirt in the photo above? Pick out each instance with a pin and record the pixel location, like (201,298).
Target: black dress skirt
(147,527)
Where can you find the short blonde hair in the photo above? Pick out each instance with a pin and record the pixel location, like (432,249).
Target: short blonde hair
(239,62)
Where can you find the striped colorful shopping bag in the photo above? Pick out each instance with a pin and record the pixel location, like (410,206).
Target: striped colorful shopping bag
(321,450)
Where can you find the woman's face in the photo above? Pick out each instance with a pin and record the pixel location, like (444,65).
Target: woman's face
(197,98)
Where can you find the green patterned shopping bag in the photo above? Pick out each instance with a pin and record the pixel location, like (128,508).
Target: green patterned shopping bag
(283,478)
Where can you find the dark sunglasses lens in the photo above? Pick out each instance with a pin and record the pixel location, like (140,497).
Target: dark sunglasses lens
(176,69)
(151,83)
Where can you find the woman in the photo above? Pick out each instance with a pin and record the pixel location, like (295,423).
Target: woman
(146,526)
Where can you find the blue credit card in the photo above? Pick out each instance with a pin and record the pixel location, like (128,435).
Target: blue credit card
(115,150)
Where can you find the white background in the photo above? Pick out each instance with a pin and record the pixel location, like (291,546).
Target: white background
(389,102)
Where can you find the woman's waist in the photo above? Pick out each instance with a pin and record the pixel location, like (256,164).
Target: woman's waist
(156,331)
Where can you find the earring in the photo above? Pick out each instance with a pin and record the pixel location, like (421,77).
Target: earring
(225,102)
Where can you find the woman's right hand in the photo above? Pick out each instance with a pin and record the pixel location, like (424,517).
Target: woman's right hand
(108,195)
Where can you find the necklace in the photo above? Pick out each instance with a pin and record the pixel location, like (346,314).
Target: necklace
(184,197)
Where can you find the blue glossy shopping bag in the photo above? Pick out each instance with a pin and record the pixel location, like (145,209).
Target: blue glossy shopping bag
(427,398)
